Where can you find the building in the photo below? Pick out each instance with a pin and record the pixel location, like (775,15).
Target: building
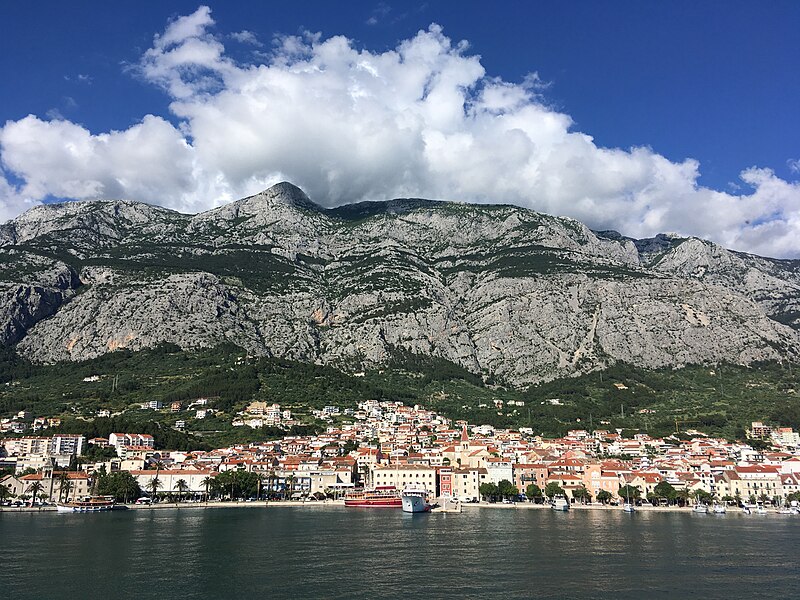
(401,475)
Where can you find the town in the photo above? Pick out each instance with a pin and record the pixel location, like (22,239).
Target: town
(389,444)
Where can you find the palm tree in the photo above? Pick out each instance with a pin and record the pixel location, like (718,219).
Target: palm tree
(182,487)
(63,479)
(153,485)
(35,488)
(65,487)
(259,482)
(207,483)
(289,485)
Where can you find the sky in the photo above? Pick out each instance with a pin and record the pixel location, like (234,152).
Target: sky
(641,117)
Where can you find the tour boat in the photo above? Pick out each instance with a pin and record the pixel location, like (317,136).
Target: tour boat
(560,502)
(87,504)
(415,499)
(386,496)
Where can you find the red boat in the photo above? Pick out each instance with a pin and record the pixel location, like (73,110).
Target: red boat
(386,496)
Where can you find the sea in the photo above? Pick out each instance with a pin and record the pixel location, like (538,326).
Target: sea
(335,552)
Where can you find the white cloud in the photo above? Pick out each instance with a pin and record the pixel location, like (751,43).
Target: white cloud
(246,37)
(794,165)
(423,119)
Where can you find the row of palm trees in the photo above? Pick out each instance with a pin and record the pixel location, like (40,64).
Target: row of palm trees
(35,489)
(214,486)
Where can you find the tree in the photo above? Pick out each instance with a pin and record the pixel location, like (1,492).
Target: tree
(289,485)
(683,496)
(35,488)
(182,488)
(582,494)
(488,490)
(120,484)
(153,486)
(5,492)
(533,491)
(207,483)
(65,487)
(604,496)
(553,489)
(702,496)
(260,482)
(630,492)
(665,490)
(62,479)
(507,489)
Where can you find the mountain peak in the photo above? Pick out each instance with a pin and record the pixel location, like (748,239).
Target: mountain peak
(289,194)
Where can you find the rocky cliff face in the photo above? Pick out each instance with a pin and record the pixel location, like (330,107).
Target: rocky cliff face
(498,289)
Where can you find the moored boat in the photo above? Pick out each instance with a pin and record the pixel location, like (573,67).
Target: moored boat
(87,504)
(560,502)
(379,497)
(415,500)
(700,508)
(628,508)
(720,509)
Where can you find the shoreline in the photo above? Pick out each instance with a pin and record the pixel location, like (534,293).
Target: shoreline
(340,504)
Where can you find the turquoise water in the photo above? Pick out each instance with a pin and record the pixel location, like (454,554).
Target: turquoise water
(332,552)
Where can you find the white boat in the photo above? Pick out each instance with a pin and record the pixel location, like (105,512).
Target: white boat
(628,508)
(746,509)
(785,510)
(560,502)
(760,510)
(720,509)
(86,504)
(415,500)
(700,508)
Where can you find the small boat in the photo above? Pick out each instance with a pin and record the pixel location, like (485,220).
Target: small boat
(386,496)
(628,508)
(746,509)
(760,510)
(560,502)
(720,509)
(415,499)
(785,510)
(86,504)
(700,508)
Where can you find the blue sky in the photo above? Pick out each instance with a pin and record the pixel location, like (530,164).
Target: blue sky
(633,115)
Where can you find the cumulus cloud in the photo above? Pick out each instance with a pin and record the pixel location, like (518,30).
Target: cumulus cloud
(423,119)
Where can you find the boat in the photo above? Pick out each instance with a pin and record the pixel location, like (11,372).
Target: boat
(760,510)
(785,510)
(720,509)
(560,502)
(700,508)
(746,509)
(386,496)
(628,508)
(86,504)
(415,499)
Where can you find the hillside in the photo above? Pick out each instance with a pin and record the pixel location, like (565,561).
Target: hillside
(721,400)
(512,295)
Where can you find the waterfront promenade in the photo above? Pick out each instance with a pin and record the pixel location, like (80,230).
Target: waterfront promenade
(469,507)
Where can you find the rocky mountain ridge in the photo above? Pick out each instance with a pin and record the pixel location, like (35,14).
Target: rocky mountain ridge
(498,289)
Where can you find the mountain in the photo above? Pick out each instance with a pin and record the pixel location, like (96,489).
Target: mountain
(502,291)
